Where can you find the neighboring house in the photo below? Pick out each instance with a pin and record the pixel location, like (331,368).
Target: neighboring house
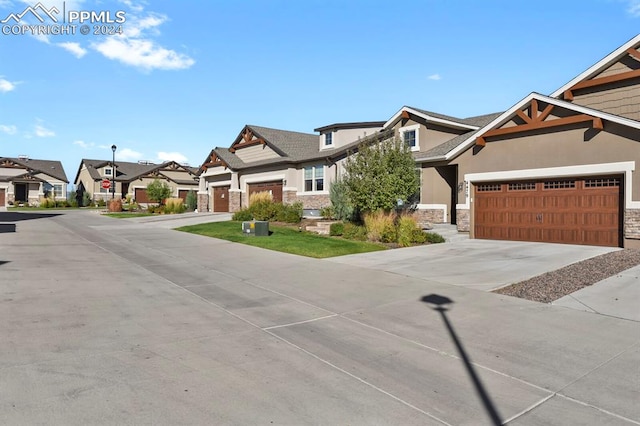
(25,180)
(292,166)
(132,178)
(558,168)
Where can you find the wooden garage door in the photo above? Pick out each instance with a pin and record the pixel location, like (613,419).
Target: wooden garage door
(572,211)
(141,196)
(182,193)
(221,199)
(274,187)
(2,197)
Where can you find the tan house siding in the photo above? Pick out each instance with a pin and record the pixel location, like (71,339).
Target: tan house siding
(429,135)
(256,153)
(623,101)
(577,146)
(561,149)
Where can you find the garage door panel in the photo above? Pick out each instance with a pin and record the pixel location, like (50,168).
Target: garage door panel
(275,188)
(573,211)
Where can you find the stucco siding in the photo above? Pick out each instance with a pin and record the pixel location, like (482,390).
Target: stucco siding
(256,153)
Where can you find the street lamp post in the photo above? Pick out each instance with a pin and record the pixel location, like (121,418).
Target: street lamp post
(113,172)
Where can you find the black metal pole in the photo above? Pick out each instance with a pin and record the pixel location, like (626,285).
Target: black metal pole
(113,172)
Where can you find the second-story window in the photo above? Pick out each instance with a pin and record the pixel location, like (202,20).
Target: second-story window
(328,139)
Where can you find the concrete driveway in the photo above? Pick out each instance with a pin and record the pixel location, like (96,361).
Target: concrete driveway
(478,264)
(105,321)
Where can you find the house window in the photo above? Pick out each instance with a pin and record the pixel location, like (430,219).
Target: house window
(57,190)
(328,139)
(107,172)
(409,135)
(314,178)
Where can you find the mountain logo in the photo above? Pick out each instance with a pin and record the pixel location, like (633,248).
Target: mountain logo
(38,11)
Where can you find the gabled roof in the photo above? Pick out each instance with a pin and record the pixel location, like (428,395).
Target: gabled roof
(355,125)
(434,117)
(447,150)
(126,171)
(48,167)
(295,145)
(600,66)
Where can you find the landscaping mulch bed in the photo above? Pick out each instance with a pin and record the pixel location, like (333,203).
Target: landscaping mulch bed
(555,284)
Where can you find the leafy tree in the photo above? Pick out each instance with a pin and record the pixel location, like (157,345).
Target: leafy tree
(379,174)
(158,191)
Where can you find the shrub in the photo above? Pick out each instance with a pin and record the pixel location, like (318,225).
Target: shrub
(327,212)
(47,203)
(342,208)
(115,205)
(242,215)
(155,209)
(354,232)
(86,199)
(174,205)
(101,203)
(409,232)
(336,229)
(434,238)
(290,213)
(381,227)
(263,210)
(191,201)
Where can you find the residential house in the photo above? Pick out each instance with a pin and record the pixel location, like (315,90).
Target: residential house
(24,180)
(132,178)
(558,168)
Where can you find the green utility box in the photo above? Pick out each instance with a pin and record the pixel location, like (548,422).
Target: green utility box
(258,228)
(262,228)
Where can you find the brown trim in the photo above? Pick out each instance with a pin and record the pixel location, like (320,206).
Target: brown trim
(214,161)
(258,141)
(536,125)
(600,81)
(634,53)
(405,114)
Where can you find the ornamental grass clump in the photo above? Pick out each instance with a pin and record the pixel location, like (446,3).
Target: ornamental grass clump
(174,205)
(380,227)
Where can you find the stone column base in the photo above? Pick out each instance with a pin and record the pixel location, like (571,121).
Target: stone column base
(203,203)
(234,201)
(463,220)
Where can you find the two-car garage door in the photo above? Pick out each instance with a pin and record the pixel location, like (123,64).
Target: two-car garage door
(572,211)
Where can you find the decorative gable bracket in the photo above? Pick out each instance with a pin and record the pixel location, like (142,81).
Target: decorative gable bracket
(214,161)
(536,120)
(568,94)
(248,139)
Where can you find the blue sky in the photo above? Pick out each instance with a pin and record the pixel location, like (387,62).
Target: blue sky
(184,77)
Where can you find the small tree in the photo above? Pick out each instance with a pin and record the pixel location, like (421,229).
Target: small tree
(379,174)
(342,208)
(192,200)
(158,191)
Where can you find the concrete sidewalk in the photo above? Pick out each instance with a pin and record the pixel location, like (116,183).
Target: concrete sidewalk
(617,296)
(135,324)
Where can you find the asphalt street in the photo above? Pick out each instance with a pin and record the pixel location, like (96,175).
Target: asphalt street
(107,321)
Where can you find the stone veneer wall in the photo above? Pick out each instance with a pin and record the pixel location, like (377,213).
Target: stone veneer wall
(234,201)
(426,217)
(463,219)
(289,197)
(632,224)
(314,201)
(203,203)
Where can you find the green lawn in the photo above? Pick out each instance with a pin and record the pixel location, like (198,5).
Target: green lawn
(285,239)
(125,215)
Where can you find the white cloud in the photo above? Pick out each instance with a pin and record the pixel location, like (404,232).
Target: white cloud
(74,48)
(434,77)
(83,144)
(126,154)
(136,46)
(43,132)
(144,54)
(172,156)
(6,85)
(633,8)
(10,130)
